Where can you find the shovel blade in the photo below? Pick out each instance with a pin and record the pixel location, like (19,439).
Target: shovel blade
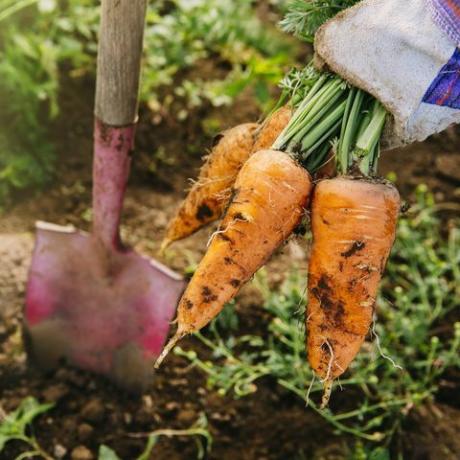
(107,311)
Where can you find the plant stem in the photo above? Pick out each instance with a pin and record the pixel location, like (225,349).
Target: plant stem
(322,142)
(311,138)
(366,151)
(322,106)
(291,127)
(350,126)
(317,119)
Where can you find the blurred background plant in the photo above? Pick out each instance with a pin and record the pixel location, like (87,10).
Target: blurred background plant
(16,426)
(197,52)
(413,344)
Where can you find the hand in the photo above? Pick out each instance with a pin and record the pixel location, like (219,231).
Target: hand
(397,52)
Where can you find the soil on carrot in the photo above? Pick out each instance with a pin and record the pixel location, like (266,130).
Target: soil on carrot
(89,411)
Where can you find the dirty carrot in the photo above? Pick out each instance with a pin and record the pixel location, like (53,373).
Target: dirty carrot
(209,195)
(271,128)
(270,195)
(271,192)
(353,216)
(353,220)
(353,225)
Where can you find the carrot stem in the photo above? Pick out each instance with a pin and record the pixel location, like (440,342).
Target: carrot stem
(349,127)
(332,113)
(314,93)
(367,146)
(311,138)
(322,141)
(330,101)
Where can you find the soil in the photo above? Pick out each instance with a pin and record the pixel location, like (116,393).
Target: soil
(89,410)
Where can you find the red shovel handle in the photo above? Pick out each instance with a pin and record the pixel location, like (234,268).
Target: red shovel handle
(117,88)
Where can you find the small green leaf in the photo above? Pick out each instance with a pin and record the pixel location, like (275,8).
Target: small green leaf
(15,423)
(106,453)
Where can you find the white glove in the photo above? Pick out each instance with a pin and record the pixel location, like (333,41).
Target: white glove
(394,50)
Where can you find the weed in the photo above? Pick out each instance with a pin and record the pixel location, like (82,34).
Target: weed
(199,432)
(15,427)
(400,369)
(252,53)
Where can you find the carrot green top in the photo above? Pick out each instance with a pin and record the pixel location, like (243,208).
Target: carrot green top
(330,116)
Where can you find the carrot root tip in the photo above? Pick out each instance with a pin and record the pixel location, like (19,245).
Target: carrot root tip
(168,347)
(164,245)
(327,390)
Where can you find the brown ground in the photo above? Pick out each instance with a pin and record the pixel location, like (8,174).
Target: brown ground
(89,411)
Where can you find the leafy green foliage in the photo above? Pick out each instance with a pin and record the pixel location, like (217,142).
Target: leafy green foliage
(106,453)
(304,17)
(400,369)
(33,41)
(196,52)
(14,427)
(227,32)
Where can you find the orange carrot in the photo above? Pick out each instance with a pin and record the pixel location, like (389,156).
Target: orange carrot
(353,225)
(210,195)
(271,128)
(271,193)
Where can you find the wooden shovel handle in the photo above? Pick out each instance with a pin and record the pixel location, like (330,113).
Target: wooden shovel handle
(119,61)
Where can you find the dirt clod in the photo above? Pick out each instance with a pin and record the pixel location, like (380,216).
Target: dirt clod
(55,392)
(93,411)
(186,416)
(84,432)
(59,451)
(81,453)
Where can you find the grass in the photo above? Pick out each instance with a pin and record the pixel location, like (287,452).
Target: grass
(399,368)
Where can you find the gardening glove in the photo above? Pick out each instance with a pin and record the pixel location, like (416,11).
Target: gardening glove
(404,53)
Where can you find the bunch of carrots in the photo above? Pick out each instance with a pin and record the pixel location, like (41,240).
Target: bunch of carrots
(316,152)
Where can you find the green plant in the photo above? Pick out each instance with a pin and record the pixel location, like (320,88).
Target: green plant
(199,431)
(42,40)
(35,37)
(303,17)
(399,370)
(15,426)
(227,33)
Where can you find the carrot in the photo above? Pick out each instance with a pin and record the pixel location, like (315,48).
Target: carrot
(271,128)
(353,216)
(210,195)
(271,193)
(353,220)
(353,225)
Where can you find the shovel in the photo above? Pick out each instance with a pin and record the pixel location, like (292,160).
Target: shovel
(91,301)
